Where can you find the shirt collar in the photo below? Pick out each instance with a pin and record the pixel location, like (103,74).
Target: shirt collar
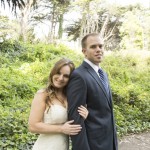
(95,67)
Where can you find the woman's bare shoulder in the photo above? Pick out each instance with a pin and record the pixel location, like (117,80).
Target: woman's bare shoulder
(41,93)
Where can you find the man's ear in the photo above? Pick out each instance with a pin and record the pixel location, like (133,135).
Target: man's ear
(83,50)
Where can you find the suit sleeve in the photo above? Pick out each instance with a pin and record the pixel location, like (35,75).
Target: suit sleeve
(76,96)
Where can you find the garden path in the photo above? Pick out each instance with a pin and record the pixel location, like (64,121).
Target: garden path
(135,142)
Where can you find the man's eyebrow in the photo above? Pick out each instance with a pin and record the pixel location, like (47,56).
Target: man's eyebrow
(96,45)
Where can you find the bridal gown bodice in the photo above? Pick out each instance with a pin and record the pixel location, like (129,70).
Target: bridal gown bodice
(56,114)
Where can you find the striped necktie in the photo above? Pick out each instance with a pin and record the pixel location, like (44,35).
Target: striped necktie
(103,80)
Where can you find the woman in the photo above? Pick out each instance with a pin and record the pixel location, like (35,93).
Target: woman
(48,115)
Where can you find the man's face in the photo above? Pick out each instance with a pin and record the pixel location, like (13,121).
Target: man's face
(94,49)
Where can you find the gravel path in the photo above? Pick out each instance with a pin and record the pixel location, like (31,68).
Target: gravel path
(135,142)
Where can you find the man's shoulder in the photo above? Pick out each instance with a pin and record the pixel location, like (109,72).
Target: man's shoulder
(79,69)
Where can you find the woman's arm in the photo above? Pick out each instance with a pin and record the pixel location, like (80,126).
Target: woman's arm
(36,124)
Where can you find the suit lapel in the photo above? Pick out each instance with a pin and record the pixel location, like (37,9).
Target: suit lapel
(95,76)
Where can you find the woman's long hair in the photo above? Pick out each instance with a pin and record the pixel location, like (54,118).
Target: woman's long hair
(51,89)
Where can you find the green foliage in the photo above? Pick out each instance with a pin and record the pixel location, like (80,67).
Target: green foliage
(26,71)
(14,124)
(134,30)
(129,78)
(11,50)
(15,84)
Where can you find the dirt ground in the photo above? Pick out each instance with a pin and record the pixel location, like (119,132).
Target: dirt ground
(135,142)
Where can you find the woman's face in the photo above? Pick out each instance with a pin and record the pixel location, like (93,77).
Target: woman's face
(61,79)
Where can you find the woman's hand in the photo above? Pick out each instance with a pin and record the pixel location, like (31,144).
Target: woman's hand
(83,111)
(71,129)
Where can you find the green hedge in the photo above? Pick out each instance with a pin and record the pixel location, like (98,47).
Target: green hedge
(129,79)
(14,123)
(25,69)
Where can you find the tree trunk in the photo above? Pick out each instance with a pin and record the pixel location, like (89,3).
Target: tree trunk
(53,26)
(25,12)
(60,30)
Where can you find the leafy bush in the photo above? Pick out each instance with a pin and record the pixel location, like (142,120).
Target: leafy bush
(14,126)
(21,76)
(129,79)
(12,50)
(15,84)
(27,70)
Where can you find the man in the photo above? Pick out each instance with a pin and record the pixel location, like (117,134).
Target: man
(87,87)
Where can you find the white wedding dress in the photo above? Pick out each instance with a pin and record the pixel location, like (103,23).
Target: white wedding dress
(57,114)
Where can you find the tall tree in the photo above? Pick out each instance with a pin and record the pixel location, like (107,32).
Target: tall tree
(96,17)
(89,16)
(135,29)
(53,15)
(58,8)
(24,21)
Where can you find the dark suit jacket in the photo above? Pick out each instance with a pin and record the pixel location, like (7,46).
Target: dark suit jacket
(98,130)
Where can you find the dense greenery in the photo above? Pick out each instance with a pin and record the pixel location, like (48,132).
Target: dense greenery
(24,69)
(129,78)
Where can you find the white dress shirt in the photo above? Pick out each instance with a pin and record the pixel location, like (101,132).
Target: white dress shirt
(95,67)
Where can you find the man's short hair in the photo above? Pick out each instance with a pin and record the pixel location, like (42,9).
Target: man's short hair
(84,39)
